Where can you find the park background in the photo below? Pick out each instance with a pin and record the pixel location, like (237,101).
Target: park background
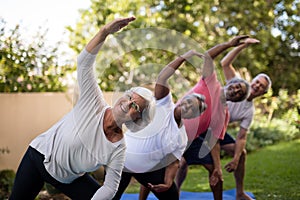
(31,67)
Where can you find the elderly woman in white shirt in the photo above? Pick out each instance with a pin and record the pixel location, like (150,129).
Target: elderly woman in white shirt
(153,154)
(88,137)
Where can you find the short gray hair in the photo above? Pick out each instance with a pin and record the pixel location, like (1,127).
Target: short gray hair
(149,111)
(267,78)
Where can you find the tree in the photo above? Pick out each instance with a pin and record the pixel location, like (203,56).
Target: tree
(29,66)
(274,23)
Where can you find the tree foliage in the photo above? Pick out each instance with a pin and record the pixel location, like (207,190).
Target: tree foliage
(29,66)
(274,23)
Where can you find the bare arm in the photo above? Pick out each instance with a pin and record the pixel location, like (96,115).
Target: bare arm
(227,61)
(240,145)
(162,87)
(213,52)
(170,174)
(96,42)
(217,172)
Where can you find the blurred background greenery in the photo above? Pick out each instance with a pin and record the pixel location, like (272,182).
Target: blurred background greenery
(33,66)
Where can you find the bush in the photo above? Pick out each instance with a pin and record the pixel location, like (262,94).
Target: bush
(263,132)
(30,65)
(6,183)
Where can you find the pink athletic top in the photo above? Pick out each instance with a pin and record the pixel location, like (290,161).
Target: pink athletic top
(216,116)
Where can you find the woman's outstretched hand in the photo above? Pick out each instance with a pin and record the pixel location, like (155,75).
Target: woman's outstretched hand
(191,53)
(95,44)
(238,40)
(117,24)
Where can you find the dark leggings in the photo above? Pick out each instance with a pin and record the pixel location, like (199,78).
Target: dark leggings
(154,177)
(31,175)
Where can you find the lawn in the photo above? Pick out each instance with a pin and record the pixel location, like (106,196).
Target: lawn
(271,173)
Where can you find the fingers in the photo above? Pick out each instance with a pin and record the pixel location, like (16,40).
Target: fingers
(118,24)
(229,167)
(221,178)
(241,37)
(251,41)
(238,40)
(131,18)
(191,53)
(213,180)
(125,21)
(150,185)
(215,177)
(200,55)
(158,188)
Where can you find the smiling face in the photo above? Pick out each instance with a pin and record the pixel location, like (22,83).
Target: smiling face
(129,107)
(191,107)
(235,91)
(259,86)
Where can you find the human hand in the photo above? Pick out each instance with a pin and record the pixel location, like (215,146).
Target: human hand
(231,166)
(237,40)
(251,41)
(117,24)
(159,187)
(215,177)
(190,54)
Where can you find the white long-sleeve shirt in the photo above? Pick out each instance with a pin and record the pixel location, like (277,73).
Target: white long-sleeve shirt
(77,144)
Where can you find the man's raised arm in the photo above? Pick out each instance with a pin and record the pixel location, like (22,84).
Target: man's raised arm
(227,61)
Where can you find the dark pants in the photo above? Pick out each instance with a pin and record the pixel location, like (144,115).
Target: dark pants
(199,154)
(154,177)
(32,174)
(228,139)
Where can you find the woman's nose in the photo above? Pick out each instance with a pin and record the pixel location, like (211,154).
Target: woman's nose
(126,103)
(188,106)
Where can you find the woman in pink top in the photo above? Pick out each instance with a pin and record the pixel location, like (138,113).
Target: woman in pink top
(205,131)
(214,118)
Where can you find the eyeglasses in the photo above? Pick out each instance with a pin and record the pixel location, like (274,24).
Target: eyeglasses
(133,105)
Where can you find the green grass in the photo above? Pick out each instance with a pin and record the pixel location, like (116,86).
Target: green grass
(271,173)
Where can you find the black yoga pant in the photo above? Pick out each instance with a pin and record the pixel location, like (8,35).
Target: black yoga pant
(154,177)
(31,175)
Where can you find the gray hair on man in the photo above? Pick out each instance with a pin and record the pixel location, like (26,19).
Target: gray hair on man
(267,78)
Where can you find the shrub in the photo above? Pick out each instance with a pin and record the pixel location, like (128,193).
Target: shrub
(263,132)
(6,182)
(30,66)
